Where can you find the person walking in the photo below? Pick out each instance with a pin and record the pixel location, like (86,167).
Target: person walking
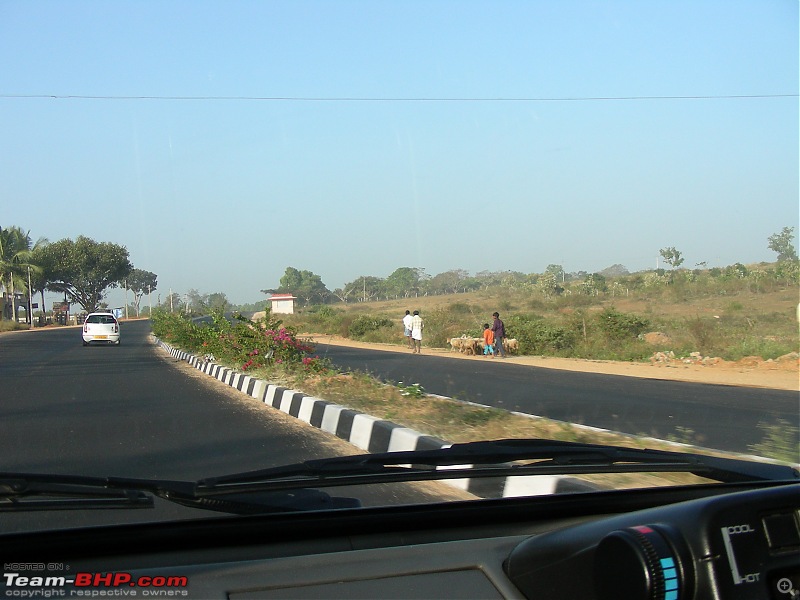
(416,332)
(488,340)
(499,331)
(407,329)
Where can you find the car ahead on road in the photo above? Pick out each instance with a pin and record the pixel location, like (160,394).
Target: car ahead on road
(101,328)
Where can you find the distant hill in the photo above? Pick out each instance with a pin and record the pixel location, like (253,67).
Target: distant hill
(615,271)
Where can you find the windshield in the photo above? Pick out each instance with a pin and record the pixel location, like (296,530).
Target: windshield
(101,319)
(340,227)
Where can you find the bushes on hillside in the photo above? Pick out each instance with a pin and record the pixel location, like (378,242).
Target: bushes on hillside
(583,326)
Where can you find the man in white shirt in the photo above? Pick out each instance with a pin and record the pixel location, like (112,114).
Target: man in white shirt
(407,329)
(416,332)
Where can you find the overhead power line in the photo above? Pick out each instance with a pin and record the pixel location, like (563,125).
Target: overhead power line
(389,99)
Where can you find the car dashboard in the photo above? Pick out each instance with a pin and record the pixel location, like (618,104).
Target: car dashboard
(726,541)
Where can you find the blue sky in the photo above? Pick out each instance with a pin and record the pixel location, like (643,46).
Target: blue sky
(222,142)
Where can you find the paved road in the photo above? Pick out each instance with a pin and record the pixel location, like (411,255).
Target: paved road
(723,417)
(133,411)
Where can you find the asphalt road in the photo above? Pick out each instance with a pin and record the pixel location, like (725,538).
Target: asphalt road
(133,411)
(722,417)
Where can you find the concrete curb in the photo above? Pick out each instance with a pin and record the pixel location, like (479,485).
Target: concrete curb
(370,433)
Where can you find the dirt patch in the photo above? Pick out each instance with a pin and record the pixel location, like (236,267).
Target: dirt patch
(781,374)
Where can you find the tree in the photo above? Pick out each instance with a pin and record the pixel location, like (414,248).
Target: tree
(449,282)
(218,301)
(343,293)
(198,303)
(175,303)
(84,269)
(402,282)
(38,275)
(547,284)
(140,282)
(364,288)
(593,284)
(557,271)
(514,279)
(671,256)
(307,286)
(782,244)
(16,261)
(487,279)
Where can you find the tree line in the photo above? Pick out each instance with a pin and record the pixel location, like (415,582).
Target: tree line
(406,282)
(82,269)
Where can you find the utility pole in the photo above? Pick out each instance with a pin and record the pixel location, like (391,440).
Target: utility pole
(30,300)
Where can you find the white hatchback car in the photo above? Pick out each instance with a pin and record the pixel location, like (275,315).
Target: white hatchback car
(101,327)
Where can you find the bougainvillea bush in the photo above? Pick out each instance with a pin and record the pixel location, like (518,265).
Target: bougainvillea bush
(237,341)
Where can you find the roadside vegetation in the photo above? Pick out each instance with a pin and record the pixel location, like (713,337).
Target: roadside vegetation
(730,314)
(270,349)
(83,270)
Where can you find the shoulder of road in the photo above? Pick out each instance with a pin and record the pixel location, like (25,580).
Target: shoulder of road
(750,372)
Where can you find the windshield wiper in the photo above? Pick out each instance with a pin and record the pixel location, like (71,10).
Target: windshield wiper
(32,492)
(500,458)
(36,492)
(294,487)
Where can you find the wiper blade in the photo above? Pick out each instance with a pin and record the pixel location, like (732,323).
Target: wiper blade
(38,492)
(293,487)
(512,457)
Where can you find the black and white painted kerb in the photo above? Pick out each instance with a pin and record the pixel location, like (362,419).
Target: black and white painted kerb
(367,432)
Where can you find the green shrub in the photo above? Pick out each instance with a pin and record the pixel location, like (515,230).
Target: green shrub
(364,324)
(323,319)
(617,326)
(460,308)
(703,332)
(538,336)
(442,324)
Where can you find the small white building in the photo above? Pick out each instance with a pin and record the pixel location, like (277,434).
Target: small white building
(282,304)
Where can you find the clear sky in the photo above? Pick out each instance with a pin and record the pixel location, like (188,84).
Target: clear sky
(221,142)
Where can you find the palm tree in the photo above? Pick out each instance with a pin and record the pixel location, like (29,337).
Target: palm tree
(15,259)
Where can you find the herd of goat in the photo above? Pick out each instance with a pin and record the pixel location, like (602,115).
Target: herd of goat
(469,345)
